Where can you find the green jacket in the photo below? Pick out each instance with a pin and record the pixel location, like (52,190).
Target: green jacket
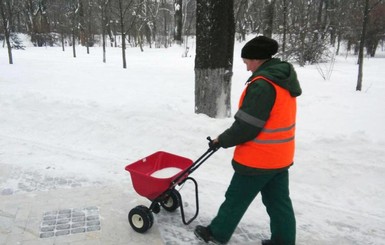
(258,103)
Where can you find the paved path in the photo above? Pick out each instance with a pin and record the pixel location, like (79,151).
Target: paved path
(46,209)
(41,209)
(80,215)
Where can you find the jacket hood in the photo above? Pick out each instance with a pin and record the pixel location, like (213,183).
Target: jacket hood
(281,73)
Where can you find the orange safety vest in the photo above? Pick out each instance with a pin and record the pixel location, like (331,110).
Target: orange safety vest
(273,148)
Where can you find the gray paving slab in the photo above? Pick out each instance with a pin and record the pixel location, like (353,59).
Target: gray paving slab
(24,217)
(44,209)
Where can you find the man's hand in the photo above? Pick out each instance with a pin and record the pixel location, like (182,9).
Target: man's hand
(213,144)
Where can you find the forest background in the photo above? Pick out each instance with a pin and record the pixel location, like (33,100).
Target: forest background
(309,32)
(308,27)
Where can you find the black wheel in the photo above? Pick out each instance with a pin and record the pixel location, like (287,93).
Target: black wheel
(140,218)
(172,201)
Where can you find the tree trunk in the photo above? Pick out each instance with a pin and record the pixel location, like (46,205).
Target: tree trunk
(178,21)
(338,43)
(5,15)
(104,46)
(62,41)
(284,29)
(103,26)
(362,44)
(104,20)
(269,17)
(317,28)
(165,23)
(240,19)
(73,43)
(214,57)
(124,50)
(123,32)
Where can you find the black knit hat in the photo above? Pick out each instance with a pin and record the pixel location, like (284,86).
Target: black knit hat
(259,48)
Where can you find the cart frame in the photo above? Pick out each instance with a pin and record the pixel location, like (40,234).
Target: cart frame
(141,218)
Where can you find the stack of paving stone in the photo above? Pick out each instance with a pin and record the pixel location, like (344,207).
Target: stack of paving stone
(69,221)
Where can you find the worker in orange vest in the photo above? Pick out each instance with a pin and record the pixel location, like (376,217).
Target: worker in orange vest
(263,134)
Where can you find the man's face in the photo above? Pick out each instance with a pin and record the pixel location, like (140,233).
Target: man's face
(251,65)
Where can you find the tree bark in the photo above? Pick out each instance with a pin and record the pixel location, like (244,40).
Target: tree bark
(178,21)
(284,29)
(123,32)
(362,44)
(269,17)
(73,43)
(5,11)
(214,57)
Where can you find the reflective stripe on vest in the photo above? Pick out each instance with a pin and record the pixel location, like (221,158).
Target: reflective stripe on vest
(274,146)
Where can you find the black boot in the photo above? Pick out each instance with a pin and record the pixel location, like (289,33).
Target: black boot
(204,234)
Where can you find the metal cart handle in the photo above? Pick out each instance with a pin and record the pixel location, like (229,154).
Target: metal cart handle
(196,164)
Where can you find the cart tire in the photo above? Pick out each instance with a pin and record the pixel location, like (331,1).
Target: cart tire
(172,201)
(141,218)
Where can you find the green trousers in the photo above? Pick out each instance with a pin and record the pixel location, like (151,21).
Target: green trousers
(241,192)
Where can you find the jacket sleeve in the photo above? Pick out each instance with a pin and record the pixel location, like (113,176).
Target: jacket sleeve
(251,117)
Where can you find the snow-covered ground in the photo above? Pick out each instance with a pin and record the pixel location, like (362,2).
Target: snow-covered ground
(85,120)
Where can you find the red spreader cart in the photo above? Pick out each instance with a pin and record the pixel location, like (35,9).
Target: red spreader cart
(161,190)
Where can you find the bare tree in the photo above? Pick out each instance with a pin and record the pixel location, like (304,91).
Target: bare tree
(152,23)
(86,12)
(241,18)
(166,22)
(375,31)
(6,16)
(284,28)
(269,17)
(41,25)
(123,8)
(104,6)
(214,57)
(74,5)
(59,24)
(366,11)
(178,21)
(141,23)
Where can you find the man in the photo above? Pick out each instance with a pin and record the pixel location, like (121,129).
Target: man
(263,133)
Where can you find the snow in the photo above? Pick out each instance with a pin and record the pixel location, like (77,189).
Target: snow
(166,172)
(80,118)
